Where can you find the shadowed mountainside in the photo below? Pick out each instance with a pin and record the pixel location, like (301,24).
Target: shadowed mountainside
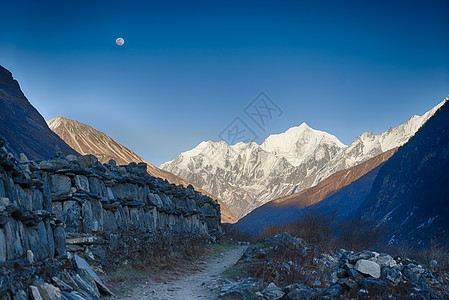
(289,208)
(87,140)
(410,195)
(22,126)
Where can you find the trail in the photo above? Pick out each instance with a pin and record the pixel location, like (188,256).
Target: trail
(191,286)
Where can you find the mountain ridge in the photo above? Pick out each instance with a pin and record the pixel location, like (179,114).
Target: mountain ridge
(247,175)
(22,126)
(87,140)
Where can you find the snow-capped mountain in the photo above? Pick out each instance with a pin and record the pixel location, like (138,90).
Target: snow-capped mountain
(247,175)
(87,140)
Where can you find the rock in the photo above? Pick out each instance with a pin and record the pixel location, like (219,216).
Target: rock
(2,247)
(385,260)
(368,267)
(30,256)
(48,291)
(272,292)
(60,184)
(254,252)
(392,275)
(360,255)
(34,293)
(82,183)
(373,284)
(347,283)
(335,291)
(298,292)
(355,275)
(73,296)
(61,284)
(70,157)
(4,201)
(433,265)
(60,245)
(82,264)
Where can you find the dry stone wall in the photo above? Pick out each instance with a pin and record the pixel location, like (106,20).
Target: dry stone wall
(49,209)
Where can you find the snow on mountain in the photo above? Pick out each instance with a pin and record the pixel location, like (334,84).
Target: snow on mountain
(297,144)
(368,144)
(247,175)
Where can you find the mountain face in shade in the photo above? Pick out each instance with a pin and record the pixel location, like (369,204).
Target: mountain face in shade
(87,140)
(247,175)
(22,127)
(289,208)
(410,195)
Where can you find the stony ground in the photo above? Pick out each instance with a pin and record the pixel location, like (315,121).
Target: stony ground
(185,283)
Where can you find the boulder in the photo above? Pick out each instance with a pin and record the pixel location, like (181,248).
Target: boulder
(385,260)
(34,293)
(368,267)
(392,275)
(273,292)
(80,263)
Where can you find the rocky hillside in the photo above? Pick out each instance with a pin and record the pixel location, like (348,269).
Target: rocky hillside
(410,195)
(246,175)
(22,127)
(291,207)
(286,267)
(87,140)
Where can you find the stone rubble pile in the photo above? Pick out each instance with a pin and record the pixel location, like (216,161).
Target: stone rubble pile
(344,275)
(53,211)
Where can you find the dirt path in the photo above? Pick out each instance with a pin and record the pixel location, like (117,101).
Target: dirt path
(192,286)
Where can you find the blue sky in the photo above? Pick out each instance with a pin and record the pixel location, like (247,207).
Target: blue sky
(188,68)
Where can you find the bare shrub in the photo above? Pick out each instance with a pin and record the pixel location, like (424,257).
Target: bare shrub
(313,228)
(358,234)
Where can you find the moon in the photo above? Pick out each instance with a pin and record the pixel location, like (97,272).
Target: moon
(120,41)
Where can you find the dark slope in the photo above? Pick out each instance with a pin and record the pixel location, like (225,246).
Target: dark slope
(290,207)
(410,195)
(344,204)
(22,127)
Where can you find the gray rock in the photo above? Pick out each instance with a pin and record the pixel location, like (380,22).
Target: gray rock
(360,255)
(2,246)
(392,275)
(4,201)
(60,246)
(385,260)
(373,284)
(61,284)
(355,275)
(368,267)
(82,183)
(60,184)
(85,288)
(72,214)
(298,292)
(347,283)
(48,291)
(335,291)
(272,292)
(34,293)
(433,265)
(73,296)
(81,264)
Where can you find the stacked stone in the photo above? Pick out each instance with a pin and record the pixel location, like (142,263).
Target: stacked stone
(77,204)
